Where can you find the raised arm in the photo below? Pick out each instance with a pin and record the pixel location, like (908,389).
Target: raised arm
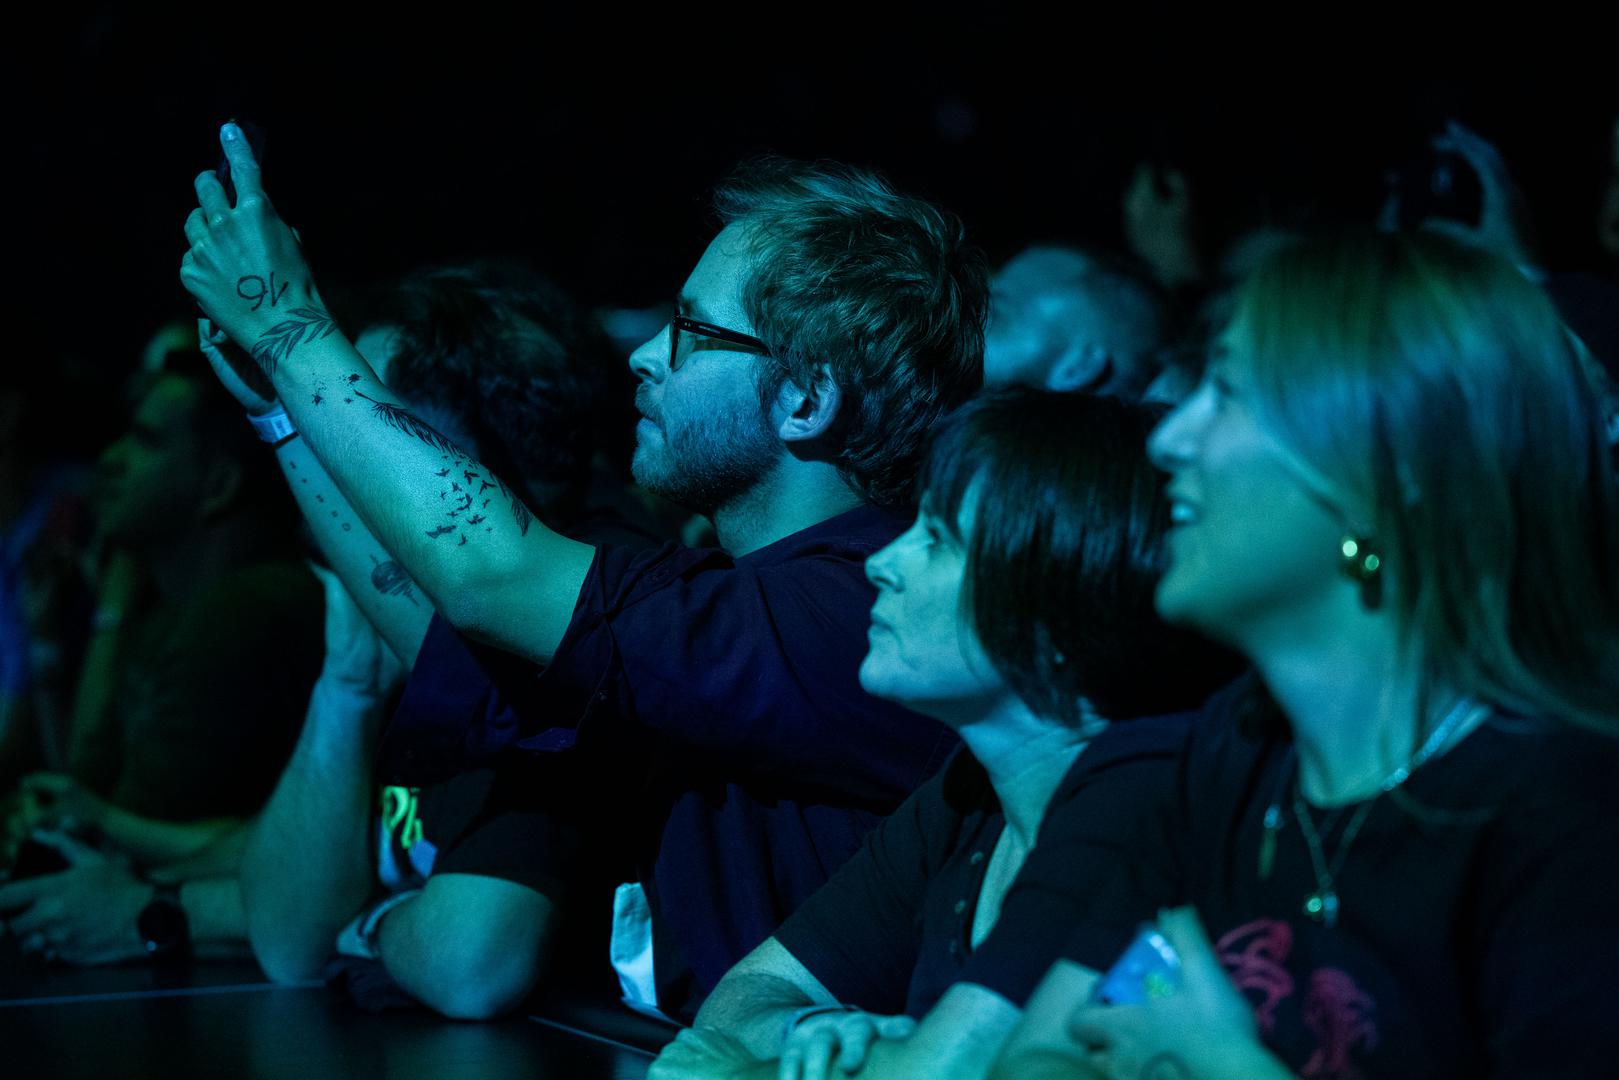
(482,558)
(391,601)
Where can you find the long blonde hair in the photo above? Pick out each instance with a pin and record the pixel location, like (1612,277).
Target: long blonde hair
(1436,389)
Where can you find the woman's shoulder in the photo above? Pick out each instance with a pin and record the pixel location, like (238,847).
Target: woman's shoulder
(1541,763)
(1238,725)
(1167,735)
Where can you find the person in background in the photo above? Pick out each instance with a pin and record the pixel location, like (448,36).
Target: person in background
(1064,319)
(206,641)
(50,410)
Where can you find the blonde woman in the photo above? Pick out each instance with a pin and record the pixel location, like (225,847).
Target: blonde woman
(1399,844)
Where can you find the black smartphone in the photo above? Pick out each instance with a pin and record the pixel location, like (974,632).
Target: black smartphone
(255,142)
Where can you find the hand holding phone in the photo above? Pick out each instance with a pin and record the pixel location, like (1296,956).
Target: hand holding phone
(1149,969)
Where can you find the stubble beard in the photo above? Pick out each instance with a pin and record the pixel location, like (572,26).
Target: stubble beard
(704,465)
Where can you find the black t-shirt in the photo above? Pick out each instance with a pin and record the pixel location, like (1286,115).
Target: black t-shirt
(891,931)
(1478,930)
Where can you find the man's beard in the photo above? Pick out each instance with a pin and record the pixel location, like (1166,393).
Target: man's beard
(705,464)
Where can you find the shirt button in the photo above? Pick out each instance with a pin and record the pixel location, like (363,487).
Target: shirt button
(955,948)
(978,857)
(961,906)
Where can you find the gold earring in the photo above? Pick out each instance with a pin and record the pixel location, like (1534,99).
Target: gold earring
(1359,560)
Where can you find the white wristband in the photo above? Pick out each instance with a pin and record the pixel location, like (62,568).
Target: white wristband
(274,426)
(359,937)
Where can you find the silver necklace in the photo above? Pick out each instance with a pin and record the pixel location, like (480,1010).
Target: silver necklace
(1322,904)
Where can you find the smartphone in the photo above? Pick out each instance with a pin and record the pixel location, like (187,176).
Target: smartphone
(1148,969)
(255,142)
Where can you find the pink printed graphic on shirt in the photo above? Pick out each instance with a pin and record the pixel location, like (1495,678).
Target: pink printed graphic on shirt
(1253,955)
(1341,1016)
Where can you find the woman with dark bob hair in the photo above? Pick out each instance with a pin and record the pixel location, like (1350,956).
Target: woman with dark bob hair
(1392,493)
(1017,610)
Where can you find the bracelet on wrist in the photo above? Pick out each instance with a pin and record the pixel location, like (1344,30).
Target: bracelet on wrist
(798,1016)
(274,426)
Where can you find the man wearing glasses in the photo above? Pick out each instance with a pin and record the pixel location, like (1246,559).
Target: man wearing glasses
(824,330)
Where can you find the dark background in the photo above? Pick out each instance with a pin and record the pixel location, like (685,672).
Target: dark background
(585,139)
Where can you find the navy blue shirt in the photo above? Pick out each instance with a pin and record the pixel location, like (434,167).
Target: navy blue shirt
(724,694)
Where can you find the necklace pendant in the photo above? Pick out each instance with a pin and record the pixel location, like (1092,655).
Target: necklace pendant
(1322,907)
(1267,842)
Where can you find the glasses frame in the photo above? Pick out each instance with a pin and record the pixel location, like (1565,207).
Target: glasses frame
(681,324)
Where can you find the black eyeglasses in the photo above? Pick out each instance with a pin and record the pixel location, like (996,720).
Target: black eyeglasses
(702,329)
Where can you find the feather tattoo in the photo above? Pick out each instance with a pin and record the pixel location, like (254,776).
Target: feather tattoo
(402,419)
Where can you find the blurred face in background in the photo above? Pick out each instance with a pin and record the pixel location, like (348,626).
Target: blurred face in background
(152,481)
(1028,327)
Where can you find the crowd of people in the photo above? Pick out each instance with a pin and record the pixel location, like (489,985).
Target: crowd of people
(1189,662)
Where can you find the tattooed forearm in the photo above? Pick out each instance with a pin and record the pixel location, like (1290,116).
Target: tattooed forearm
(252,287)
(390,579)
(276,344)
(403,420)
(519,512)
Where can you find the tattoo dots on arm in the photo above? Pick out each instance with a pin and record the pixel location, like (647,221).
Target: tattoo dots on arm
(464,513)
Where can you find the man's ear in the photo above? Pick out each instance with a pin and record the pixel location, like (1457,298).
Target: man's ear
(1083,366)
(220,486)
(801,414)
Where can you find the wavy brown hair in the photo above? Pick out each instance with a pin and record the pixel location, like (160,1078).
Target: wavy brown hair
(881,288)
